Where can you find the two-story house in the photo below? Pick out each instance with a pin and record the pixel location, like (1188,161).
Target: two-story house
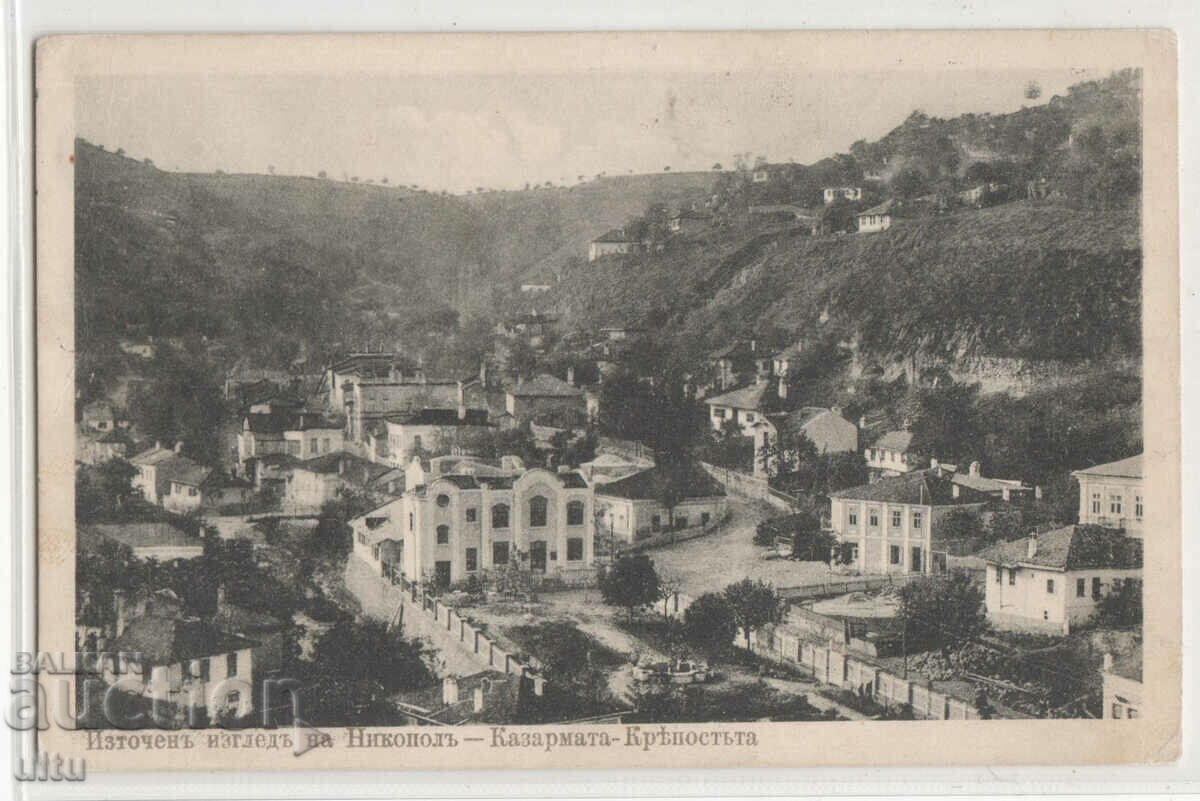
(157,467)
(1113,495)
(302,434)
(544,393)
(1053,581)
(895,524)
(409,433)
(459,525)
(312,483)
(890,455)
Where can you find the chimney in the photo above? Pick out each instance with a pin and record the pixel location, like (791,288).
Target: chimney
(539,685)
(571,376)
(1031,548)
(158,444)
(1108,661)
(483,373)
(179,447)
(954,490)
(341,466)
(783,388)
(862,421)
(933,462)
(450,690)
(1037,493)
(974,468)
(462,402)
(478,697)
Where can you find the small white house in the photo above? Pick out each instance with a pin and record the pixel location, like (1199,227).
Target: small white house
(876,218)
(632,508)
(1113,495)
(1053,581)
(832,193)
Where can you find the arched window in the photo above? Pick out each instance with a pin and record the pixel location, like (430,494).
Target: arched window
(575,513)
(500,516)
(537,511)
(443,535)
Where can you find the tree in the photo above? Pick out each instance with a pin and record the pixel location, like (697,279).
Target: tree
(910,182)
(944,611)
(103,491)
(631,582)
(1123,606)
(754,604)
(709,624)
(809,541)
(961,530)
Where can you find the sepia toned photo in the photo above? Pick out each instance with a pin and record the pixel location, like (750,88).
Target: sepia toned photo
(651,396)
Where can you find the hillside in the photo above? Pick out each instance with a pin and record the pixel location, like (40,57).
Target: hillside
(1029,280)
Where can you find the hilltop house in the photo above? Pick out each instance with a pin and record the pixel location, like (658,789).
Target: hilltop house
(1053,581)
(890,455)
(832,193)
(155,469)
(824,428)
(748,406)
(161,541)
(738,358)
(184,483)
(532,326)
(615,241)
(635,507)
(545,393)
(876,218)
(142,348)
(895,524)
(461,524)
(302,434)
(369,389)
(687,221)
(191,664)
(760,176)
(93,447)
(1113,495)
(99,416)
(1000,489)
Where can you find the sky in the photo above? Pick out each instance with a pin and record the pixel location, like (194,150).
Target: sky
(501,131)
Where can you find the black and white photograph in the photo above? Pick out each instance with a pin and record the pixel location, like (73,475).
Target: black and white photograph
(411,407)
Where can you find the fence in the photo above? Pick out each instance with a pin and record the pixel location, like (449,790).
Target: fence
(842,586)
(673,536)
(831,665)
(458,628)
(752,486)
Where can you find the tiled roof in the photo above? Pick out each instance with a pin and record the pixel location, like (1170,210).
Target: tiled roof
(345,463)
(689,481)
(747,397)
(615,235)
(546,385)
(1071,548)
(278,422)
(141,535)
(895,441)
(572,480)
(794,422)
(790,352)
(152,456)
(185,471)
(1125,468)
(883,208)
(922,487)
(169,641)
(440,417)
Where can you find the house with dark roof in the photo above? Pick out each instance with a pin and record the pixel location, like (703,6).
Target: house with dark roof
(472,518)
(639,505)
(612,242)
(311,483)
(190,663)
(543,393)
(1053,581)
(1113,495)
(876,218)
(688,221)
(157,467)
(296,432)
(437,430)
(895,525)
(159,540)
(96,447)
(185,483)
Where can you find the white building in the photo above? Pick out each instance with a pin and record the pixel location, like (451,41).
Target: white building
(1053,581)
(429,430)
(460,525)
(1122,682)
(1113,495)
(832,193)
(876,218)
(895,524)
(613,242)
(890,455)
(632,507)
(160,541)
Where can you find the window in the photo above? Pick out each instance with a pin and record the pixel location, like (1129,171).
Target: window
(500,516)
(472,514)
(895,554)
(574,549)
(199,669)
(233,700)
(655,523)
(917,561)
(873,518)
(1049,586)
(999,574)
(443,500)
(895,519)
(362,538)
(916,520)
(325,445)
(411,521)
(1012,576)
(500,553)
(1118,711)
(193,492)
(472,559)
(231,664)
(1045,615)
(1138,508)
(749,417)
(1097,587)
(1080,588)
(375,551)
(575,513)
(1114,504)
(852,517)
(537,511)
(1095,503)
(704,518)
(312,445)
(443,535)
(1131,712)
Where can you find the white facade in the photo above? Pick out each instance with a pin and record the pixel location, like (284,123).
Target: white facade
(868,223)
(221,682)
(182,497)
(458,526)
(1045,599)
(888,537)
(832,193)
(1122,696)
(625,519)
(1107,498)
